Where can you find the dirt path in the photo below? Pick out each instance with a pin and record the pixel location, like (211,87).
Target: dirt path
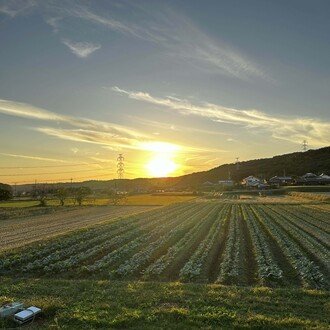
(22,231)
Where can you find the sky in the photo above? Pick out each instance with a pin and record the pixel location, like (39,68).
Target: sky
(176,86)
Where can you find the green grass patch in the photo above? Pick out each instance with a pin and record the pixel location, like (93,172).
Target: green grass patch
(81,304)
(146,199)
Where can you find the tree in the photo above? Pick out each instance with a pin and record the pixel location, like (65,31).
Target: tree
(5,192)
(61,194)
(115,198)
(80,193)
(42,198)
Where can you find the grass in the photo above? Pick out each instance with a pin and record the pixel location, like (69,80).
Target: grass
(18,204)
(313,196)
(145,199)
(78,304)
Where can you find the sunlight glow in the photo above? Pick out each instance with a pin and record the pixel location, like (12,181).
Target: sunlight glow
(161,163)
(161,147)
(161,166)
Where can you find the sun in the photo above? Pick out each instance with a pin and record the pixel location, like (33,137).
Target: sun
(161,166)
(161,163)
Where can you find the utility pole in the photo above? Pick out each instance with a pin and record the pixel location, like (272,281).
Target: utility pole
(237,163)
(35,188)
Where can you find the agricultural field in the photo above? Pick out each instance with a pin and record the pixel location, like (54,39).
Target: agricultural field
(141,199)
(19,227)
(202,242)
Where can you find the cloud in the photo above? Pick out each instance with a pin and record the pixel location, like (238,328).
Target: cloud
(109,135)
(81,49)
(14,8)
(115,141)
(173,33)
(33,157)
(84,13)
(54,23)
(295,130)
(25,110)
(178,37)
(176,128)
(19,109)
(187,41)
(85,130)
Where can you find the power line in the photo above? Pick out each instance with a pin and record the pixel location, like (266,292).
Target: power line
(66,180)
(49,166)
(54,173)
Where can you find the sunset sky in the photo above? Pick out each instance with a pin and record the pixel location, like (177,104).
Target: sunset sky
(175,86)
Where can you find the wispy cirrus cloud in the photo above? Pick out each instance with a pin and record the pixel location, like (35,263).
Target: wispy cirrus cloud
(175,35)
(316,131)
(33,157)
(179,37)
(25,110)
(174,127)
(108,135)
(81,49)
(115,142)
(14,8)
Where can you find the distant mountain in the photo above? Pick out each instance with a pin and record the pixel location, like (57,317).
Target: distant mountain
(294,164)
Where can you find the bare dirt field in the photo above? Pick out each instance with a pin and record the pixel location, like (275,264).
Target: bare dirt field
(19,231)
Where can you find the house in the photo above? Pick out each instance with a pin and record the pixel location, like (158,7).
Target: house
(252,181)
(280,180)
(324,178)
(226,183)
(313,179)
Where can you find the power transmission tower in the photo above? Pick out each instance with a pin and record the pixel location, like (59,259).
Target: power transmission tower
(120,166)
(304,145)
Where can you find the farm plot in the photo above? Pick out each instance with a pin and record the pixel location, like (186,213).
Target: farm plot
(21,231)
(228,243)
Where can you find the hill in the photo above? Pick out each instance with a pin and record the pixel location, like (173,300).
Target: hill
(293,164)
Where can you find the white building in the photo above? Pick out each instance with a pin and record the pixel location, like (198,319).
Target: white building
(226,183)
(252,181)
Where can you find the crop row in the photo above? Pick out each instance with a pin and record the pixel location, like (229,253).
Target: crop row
(226,243)
(161,264)
(195,265)
(41,256)
(308,271)
(308,242)
(161,232)
(232,266)
(268,268)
